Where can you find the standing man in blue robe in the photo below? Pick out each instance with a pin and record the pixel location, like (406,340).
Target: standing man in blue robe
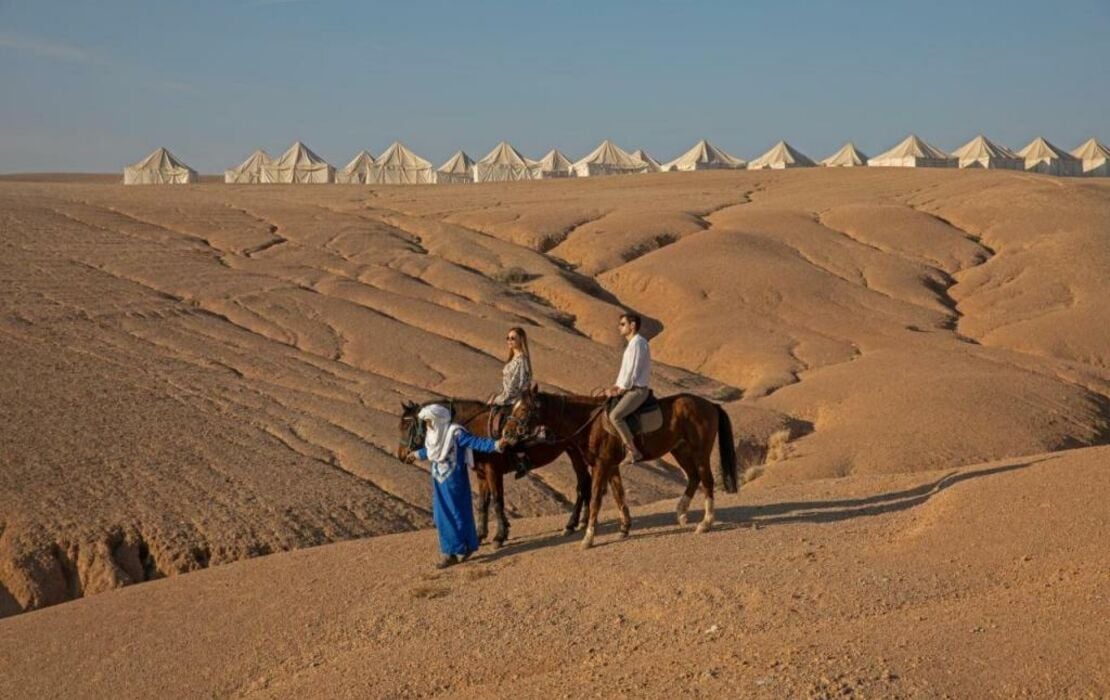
(449,447)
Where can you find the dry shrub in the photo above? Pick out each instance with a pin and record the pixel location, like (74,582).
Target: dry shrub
(754,458)
(512,275)
(725,394)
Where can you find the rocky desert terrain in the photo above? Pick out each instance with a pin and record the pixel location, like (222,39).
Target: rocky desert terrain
(916,363)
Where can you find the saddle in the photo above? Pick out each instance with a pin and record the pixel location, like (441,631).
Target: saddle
(646,419)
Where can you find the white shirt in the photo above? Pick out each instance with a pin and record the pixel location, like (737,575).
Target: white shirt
(636,364)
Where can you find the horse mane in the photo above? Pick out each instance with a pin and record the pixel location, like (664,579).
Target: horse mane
(577,398)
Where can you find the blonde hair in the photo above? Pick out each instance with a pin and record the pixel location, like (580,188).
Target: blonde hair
(523,344)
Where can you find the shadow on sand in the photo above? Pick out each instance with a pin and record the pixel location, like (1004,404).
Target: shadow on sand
(765,515)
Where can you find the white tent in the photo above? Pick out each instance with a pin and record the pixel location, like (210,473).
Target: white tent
(847,157)
(1095,157)
(608,159)
(400,166)
(357,172)
(1044,157)
(250,170)
(457,169)
(981,152)
(298,164)
(781,156)
(504,163)
(643,155)
(704,156)
(159,168)
(913,153)
(554,164)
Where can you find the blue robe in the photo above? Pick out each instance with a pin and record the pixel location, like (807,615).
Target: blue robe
(452,508)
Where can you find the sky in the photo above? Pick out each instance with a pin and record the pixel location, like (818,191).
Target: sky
(92,85)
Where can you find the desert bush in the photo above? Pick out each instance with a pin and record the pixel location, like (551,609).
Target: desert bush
(512,275)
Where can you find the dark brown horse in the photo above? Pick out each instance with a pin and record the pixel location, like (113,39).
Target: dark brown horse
(691,425)
(491,468)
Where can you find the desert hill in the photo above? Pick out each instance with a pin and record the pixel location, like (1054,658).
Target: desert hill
(985,581)
(196,375)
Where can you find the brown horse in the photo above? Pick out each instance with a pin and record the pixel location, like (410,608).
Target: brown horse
(491,468)
(690,424)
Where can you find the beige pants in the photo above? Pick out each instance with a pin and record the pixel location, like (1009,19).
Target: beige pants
(628,402)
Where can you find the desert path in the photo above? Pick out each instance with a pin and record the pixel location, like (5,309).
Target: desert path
(987,581)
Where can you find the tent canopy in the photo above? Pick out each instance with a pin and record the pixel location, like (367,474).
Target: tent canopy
(357,172)
(159,168)
(847,157)
(1042,156)
(912,152)
(457,169)
(504,163)
(554,164)
(782,155)
(298,164)
(250,170)
(1090,150)
(397,165)
(704,156)
(1095,157)
(981,152)
(608,159)
(643,155)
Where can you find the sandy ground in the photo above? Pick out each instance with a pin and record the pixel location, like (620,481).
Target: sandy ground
(989,581)
(197,375)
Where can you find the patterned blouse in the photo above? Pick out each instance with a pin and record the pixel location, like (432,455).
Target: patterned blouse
(515,378)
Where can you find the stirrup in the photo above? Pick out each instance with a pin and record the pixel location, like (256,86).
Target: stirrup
(631,456)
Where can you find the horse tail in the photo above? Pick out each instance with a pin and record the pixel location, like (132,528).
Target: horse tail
(727,449)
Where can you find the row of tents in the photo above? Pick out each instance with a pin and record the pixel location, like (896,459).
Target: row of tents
(399,165)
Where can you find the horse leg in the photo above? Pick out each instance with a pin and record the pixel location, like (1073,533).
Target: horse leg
(705,471)
(597,490)
(499,510)
(618,496)
(484,499)
(685,461)
(582,492)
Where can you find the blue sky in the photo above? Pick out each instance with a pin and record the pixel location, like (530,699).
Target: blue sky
(90,85)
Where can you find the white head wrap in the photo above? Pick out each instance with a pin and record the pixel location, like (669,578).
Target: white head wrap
(440,441)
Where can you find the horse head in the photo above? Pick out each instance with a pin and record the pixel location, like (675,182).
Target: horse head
(524,422)
(411,430)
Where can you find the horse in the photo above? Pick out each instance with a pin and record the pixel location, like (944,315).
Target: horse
(690,424)
(475,417)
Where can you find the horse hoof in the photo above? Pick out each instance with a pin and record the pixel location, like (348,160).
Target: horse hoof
(703,527)
(496,544)
(588,541)
(624,534)
(682,520)
(568,531)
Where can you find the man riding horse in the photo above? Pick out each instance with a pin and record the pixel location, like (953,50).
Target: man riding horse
(632,385)
(685,426)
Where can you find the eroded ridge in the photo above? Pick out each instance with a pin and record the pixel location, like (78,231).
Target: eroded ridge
(206,374)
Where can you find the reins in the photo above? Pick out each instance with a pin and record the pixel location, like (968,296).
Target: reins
(593,415)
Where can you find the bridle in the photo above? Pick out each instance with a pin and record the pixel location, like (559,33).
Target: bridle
(522,424)
(414,436)
(417,432)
